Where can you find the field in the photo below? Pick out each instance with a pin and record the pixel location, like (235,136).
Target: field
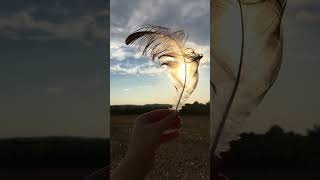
(275,175)
(184,158)
(45,173)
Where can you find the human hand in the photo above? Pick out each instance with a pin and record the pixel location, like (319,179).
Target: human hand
(217,168)
(150,130)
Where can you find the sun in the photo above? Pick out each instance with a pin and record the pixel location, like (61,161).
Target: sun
(181,71)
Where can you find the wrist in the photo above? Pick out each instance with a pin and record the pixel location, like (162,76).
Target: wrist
(137,166)
(140,156)
(132,166)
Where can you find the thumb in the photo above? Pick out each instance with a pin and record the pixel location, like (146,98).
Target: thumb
(166,122)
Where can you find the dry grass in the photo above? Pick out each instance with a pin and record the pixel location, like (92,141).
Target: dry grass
(187,157)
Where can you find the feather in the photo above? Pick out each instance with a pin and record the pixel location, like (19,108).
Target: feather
(167,46)
(247,49)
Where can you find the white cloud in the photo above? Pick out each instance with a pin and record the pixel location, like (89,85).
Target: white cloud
(144,69)
(126,16)
(205,50)
(192,16)
(119,51)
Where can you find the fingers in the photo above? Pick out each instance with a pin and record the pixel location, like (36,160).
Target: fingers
(153,116)
(158,115)
(169,136)
(176,124)
(166,122)
(172,131)
(161,120)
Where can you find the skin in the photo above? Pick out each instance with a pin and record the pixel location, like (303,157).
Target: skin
(150,131)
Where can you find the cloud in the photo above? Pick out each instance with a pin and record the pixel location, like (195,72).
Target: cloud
(192,16)
(119,51)
(82,28)
(201,49)
(126,16)
(122,53)
(144,69)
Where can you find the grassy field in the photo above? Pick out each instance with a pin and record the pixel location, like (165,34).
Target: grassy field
(187,157)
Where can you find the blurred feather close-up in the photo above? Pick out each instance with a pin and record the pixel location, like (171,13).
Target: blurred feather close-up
(246,48)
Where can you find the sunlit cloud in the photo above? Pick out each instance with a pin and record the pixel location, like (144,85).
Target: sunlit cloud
(141,80)
(119,51)
(144,69)
(205,50)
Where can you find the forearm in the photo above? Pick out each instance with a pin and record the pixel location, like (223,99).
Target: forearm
(146,137)
(132,167)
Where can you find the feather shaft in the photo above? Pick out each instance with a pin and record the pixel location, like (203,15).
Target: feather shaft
(234,91)
(184,84)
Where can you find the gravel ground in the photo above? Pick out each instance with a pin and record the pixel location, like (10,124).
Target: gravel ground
(185,158)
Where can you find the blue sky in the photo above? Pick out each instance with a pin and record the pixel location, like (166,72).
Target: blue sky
(137,80)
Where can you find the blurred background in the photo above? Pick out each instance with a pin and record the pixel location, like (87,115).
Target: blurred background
(280,140)
(53,85)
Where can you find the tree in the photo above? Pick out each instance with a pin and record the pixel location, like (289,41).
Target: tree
(275,130)
(315,132)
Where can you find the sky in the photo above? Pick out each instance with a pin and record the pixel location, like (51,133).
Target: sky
(52,72)
(137,80)
(294,101)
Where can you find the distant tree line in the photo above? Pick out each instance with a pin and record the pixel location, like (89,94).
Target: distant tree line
(188,109)
(136,109)
(275,149)
(49,152)
(196,109)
